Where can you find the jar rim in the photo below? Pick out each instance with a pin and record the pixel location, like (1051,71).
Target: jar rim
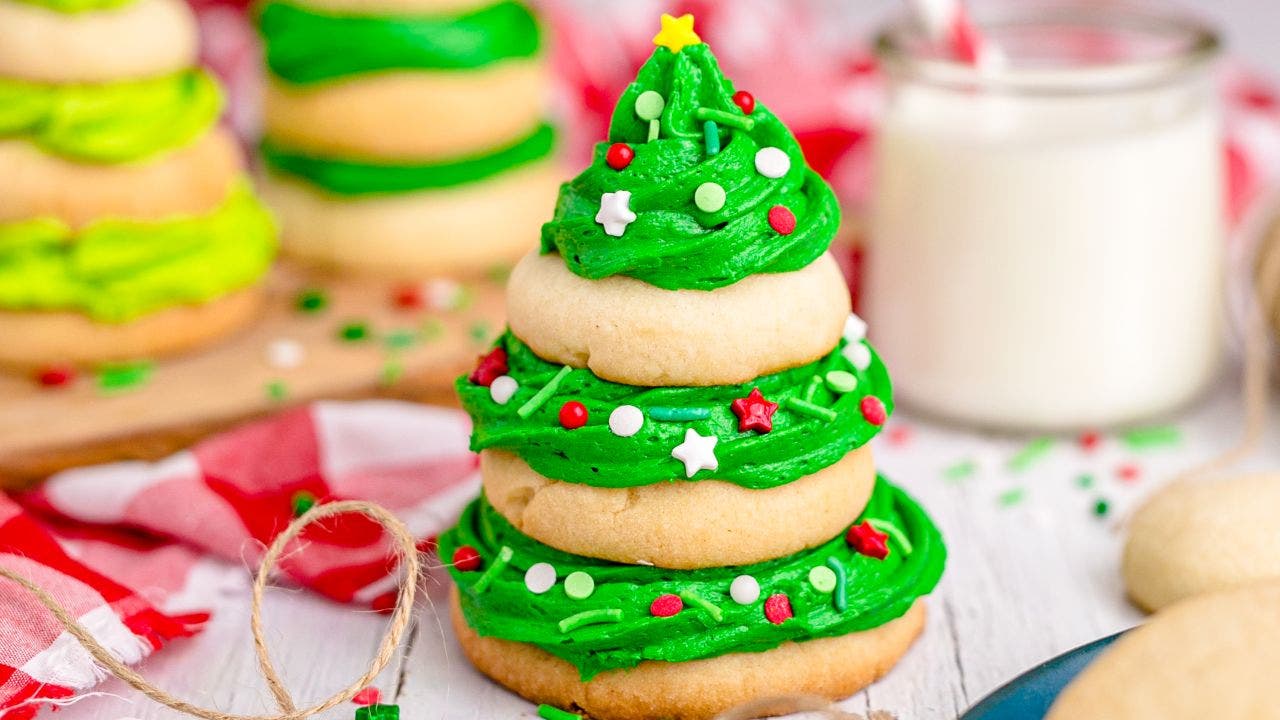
(902,50)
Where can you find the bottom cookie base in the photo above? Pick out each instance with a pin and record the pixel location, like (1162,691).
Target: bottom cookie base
(38,339)
(833,668)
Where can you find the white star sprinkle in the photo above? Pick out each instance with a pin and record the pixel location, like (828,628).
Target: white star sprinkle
(614,214)
(697,452)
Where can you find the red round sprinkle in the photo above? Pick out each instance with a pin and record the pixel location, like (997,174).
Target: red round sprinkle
(777,609)
(466,558)
(573,415)
(408,297)
(1128,472)
(745,101)
(619,156)
(1090,439)
(873,410)
(56,376)
(367,696)
(490,367)
(666,605)
(782,220)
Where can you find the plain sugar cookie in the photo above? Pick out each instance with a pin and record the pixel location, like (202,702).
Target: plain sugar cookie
(1211,657)
(1198,537)
(680,524)
(464,230)
(142,39)
(420,116)
(631,332)
(189,181)
(40,339)
(833,668)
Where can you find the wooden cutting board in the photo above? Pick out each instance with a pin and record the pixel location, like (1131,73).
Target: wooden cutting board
(407,352)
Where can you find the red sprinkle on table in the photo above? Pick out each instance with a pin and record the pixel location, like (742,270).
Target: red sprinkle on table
(754,412)
(619,156)
(782,220)
(490,367)
(666,605)
(466,559)
(573,415)
(367,696)
(777,609)
(56,376)
(868,541)
(1128,472)
(408,297)
(873,410)
(1089,440)
(745,101)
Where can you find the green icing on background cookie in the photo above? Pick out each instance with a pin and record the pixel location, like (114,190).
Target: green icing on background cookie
(117,270)
(111,122)
(673,243)
(353,177)
(876,591)
(798,445)
(308,46)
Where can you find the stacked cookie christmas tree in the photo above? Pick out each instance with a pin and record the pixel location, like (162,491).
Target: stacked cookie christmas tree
(680,512)
(406,138)
(127,228)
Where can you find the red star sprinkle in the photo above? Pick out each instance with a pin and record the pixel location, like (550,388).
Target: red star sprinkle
(782,220)
(466,559)
(56,376)
(777,609)
(573,415)
(868,541)
(873,410)
(490,367)
(745,102)
(367,696)
(666,605)
(408,297)
(619,156)
(754,412)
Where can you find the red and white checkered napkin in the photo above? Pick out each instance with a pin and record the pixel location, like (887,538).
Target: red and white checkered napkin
(130,547)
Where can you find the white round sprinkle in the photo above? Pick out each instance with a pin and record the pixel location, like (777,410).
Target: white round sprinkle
(626,420)
(855,328)
(285,354)
(772,162)
(859,354)
(443,294)
(744,590)
(502,388)
(539,578)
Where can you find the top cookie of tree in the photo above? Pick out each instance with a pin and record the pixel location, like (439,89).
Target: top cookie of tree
(697,186)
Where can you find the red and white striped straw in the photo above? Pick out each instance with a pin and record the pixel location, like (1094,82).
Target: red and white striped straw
(949,24)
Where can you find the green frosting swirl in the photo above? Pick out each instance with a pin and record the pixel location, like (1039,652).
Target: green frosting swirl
(77,6)
(798,445)
(353,177)
(112,122)
(309,46)
(672,243)
(876,592)
(116,270)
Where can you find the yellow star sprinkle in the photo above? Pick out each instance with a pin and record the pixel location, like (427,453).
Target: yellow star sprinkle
(676,33)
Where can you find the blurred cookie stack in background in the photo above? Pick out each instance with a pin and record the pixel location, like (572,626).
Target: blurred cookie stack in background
(406,138)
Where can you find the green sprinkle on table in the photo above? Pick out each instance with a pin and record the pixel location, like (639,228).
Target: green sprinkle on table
(548,712)
(392,371)
(1009,498)
(1030,454)
(353,332)
(1084,481)
(124,376)
(960,470)
(1101,508)
(301,502)
(311,301)
(380,712)
(401,339)
(277,390)
(1152,437)
(431,329)
(480,332)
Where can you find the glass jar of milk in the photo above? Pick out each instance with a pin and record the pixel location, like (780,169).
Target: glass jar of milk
(1047,241)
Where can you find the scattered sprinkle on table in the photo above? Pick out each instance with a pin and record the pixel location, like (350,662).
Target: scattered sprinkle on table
(1101,508)
(1152,437)
(392,371)
(1089,440)
(960,470)
(301,502)
(56,376)
(1012,497)
(431,329)
(276,390)
(401,339)
(548,712)
(1128,472)
(480,331)
(1030,454)
(312,300)
(124,376)
(378,712)
(1084,481)
(368,696)
(353,332)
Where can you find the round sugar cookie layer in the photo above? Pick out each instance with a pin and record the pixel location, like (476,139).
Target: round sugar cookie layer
(420,116)
(142,39)
(189,181)
(832,668)
(631,332)
(461,231)
(39,339)
(681,524)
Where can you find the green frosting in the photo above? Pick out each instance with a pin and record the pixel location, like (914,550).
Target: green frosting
(352,177)
(308,46)
(77,6)
(876,591)
(112,122)
(116,270)
(672,243)
(798,445)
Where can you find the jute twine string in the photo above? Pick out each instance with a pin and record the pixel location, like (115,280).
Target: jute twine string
(405,548)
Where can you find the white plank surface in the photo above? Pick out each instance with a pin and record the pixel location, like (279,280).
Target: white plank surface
(1024,582)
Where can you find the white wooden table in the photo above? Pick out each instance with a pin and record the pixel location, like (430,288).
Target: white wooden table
(1032,572)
